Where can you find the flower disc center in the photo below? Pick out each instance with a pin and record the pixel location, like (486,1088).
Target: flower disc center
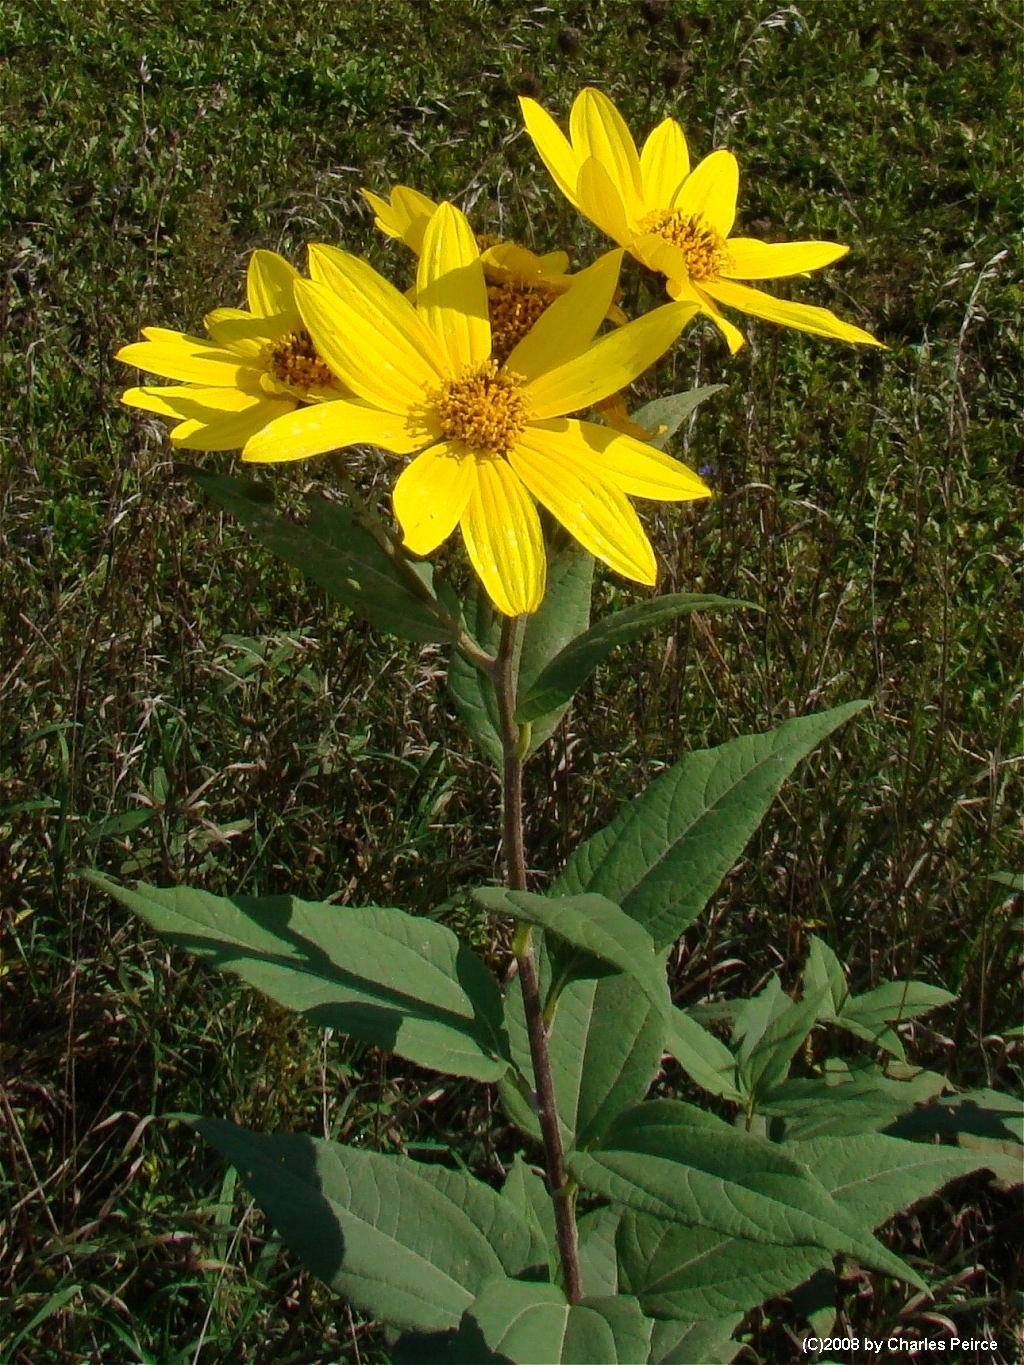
(513,308)
(703,245)
(293,359)
(485,409)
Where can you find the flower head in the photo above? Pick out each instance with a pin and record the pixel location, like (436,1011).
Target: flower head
(489,438)
(256,366)
(675,221)
(520,284)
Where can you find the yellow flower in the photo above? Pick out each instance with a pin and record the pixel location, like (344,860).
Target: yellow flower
(520,284)
(675,221)
(488,438)
(257,366)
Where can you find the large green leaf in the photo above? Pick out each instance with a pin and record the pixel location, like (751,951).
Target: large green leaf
(839,1106)
(681,1164)
(401,983)
(564,612)
(877,1176)
(409,1243)
(665,853)
(697,1272)
(990,1114)
(762,1065)
(605,1046)
(568,670)
(532,1324)
(671,411)
(529,1196)
(598,1259)
(708,1342)
(702,1056)
(595,926)
(333,550)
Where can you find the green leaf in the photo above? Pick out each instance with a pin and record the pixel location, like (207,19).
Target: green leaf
(876,1176)
(697,1272)
(671,411)
(892,1001)
(681,1164)
(532,1324)
(569,669)
(823,973)
(528,1195)
(980,1113)
(598,1259)
(708,1342)
(399,982)
(846,1101)
(592,924)
(665,853)
(754,1015)
(767,1062)
(1014,880)
(471,692)
(564,612)
(408,1243)
(703,1057)
(605,1046)
(333,550)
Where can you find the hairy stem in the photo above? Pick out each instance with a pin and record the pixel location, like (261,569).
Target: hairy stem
(370,520)
(561,1188)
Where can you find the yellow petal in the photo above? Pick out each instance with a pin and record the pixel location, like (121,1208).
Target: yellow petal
(332,426)
(374,361)
(660,255)
(683,289)
(753,260)
(553,147)
(802,316)
(567,326)
(431,495)
(635,468)
(598,130)
(214,419)
(405,217)
(555,262)
(600,200)
(588,505)
(611,363)
(176,356)
(451,293)
(613,412)
(664,165)
(508,261)
(381,307)
(270,284)
(710,191)
(504,539)
(245,335)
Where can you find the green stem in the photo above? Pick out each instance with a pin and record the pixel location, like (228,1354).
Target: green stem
(561,1187)
(370,520)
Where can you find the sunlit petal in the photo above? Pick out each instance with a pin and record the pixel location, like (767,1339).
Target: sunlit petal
(805,318)
(405,217)
(568,325)
(431,495)
(451,293)
(320,427)
(635,468)
(587,504)
(598,130)
(710,191)
(553,147)
(177,356)
(504,539)
(270,284)
(753,260)
(682,289)
(611,363)
(664,164)
(245,335)
(601,201)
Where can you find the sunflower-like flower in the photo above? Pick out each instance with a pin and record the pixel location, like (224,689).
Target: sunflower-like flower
(520,284)
(489,438)
(257,365)
(675,221)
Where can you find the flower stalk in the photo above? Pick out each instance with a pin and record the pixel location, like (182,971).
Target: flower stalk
(561,1188)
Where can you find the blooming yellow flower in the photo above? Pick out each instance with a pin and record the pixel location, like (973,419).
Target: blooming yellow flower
(675,221)
(489,438)
(520,284)
(257,366)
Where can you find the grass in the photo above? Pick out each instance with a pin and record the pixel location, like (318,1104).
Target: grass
(177,705)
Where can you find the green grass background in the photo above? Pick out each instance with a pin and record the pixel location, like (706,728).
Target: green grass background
(178,705)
